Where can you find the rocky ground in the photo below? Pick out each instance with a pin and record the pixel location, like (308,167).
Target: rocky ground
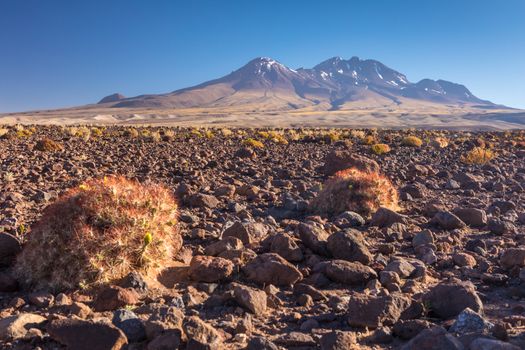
(258,270)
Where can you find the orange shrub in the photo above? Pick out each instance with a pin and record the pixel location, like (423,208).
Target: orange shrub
(99,232)
(355,190)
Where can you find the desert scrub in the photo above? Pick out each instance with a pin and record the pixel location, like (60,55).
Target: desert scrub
(48,145)
(357,134)
(3,132)
(369,140)
(97,132)
(226,132)
(380,148)
(412,141)
(98,232)
(478,155)
(355,190)
(131,133)
(208,134)
(253,143)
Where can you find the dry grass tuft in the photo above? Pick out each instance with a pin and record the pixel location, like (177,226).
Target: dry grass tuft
(412,141)
(48,145)
(380,148)
(478,155)
(253,143)
(355,190)
(99,232)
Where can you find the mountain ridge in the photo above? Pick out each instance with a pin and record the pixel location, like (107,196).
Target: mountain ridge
(331,85)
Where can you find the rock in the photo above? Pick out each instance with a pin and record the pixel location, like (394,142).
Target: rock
(408,329)
(349,219)
(347,272)
(79,309)
(41,299)
(302,288)
(463,259)
(435,338)
(385,217)
(295,339)
(16,326)
(305,300)
(261,343)
(270,268)
(167,340)
(512,257)
(349,245)
(447,221)
(314,238)
(286,247)
(225,191)
(247,232)
(114,297)
(225,244)
(200,200)
(338,340)
(469,321)
(9,248)
(422,238)
(342,159)
(250,298)
(375,311)
(245,152)
(136,281)
(62,300)
(472,216)
(86,335)
(161,318)
(210,269)
(491,344)
(500,227)
(201,335)
(448,299)
(402,267)
(129,323)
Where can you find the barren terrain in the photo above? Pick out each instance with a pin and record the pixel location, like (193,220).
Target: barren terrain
(259,268)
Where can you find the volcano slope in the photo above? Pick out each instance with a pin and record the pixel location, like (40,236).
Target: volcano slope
(260,266)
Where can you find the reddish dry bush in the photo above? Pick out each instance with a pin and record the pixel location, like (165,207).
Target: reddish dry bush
(99,232)
(355,190)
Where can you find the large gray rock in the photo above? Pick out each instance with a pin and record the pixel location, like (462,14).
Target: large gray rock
(347,272)
(435,338)
(271,268)
(87,335)
(349,245)
(247,232)
(375,311)
(16,326)
(448,299)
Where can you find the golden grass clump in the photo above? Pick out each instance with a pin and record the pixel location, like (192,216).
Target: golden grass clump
(3,132)
(355,190)
(99,232)
(368,140)
(253,143)
(478,155)
(48,145)
(380,148)
(412,141)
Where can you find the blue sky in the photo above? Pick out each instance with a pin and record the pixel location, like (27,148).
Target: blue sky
(56,53)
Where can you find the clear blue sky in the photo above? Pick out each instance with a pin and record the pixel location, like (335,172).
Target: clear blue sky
(56,53)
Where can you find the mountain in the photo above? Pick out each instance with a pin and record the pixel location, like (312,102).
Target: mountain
(264,84)
(112,98)
(265,93)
